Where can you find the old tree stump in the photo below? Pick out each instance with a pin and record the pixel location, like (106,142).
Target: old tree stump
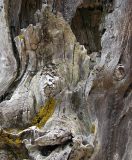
(66,79)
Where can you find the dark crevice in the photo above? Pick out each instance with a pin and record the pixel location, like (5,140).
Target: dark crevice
(28,9)
(15,52)
(21,14)
(87,23)
(5,96)
(129,89)
(47,150)
(85,26)
(103,31)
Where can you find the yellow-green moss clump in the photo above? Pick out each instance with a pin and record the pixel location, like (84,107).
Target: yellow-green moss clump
(21,36)
(45,113)
(13,145)
(9,140)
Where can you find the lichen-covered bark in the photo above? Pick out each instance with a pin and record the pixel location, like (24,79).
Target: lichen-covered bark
(66,103)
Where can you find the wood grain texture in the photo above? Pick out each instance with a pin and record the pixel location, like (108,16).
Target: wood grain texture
(90,115)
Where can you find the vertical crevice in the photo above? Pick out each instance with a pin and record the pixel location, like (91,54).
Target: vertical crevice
(87,23)
(20,15)
(85,26)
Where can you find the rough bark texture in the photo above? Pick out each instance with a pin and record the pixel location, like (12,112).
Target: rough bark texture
(58,100)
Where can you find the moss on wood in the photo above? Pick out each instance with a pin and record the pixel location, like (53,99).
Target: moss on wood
(45,113)
(13,144)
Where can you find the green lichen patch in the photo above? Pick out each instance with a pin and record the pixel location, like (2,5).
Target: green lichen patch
(44,113)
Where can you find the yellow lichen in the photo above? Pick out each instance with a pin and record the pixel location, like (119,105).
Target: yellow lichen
(9,140)
(21,37)
(93,128)
(13,144)
(18,141)
(45,113)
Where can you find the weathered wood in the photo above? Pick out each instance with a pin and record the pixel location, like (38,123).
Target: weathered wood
(68,105)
